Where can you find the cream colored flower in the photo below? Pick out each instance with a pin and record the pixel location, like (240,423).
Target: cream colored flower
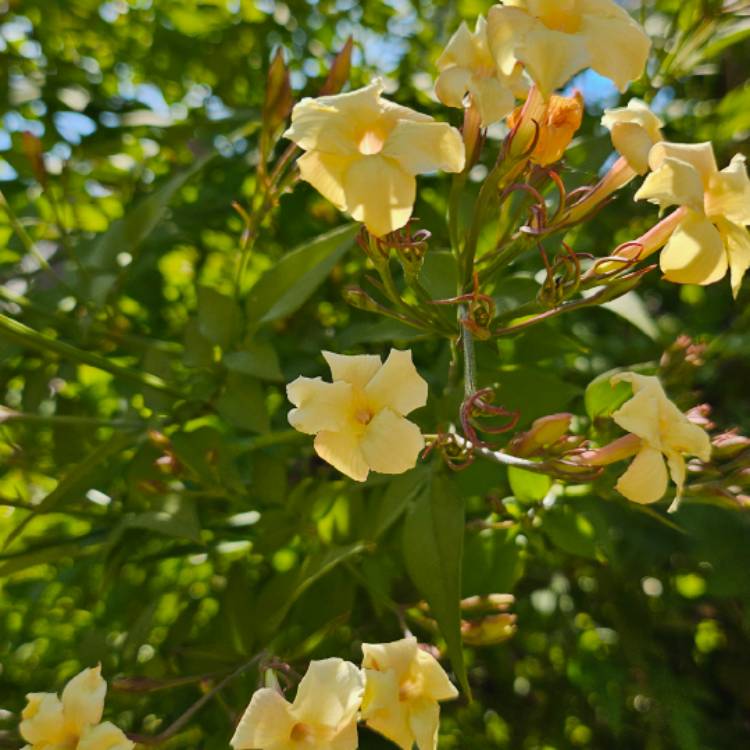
(665,432)
(403,685)
(323,715)
(73,723)
(468,67)
(555,39)
(363,152)
(358,419)
(712,237)
(635,129)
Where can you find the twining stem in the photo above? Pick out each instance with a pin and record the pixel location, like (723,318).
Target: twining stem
(181,721)
(21,334)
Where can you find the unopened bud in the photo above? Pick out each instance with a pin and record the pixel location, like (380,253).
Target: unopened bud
(338,75)
(278,102)
(618,450)
(360,299)
(543,432)
(489,630)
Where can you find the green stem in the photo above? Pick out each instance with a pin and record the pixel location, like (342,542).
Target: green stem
(470,380)
(21,334)
(71,420)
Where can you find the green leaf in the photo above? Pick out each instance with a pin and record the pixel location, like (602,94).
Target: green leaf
(535,393)
(287,286)
(433,550)
(257,359)
(127,234)
(243,404)
(397,498)
(439,275)
(631,307)
(218,317)
(527,486)
(492,563)
(176,518)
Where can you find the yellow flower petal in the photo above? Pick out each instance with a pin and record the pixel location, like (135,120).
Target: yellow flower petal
(728,193)
(391,444)
(635,129)
(421,147)
(83,699)
(639,415)
(424,721)
(699,155)
(452,85)
(674,182)
(396,655)
(104,736)
(618,47)
(326,173)
(320,405)
(266,723)
(342,450)
(42,720)
(552,57)
(645,480)
(695,253)
(379,193)
(329,694)
(356,369)
(737,243)
(494,99)
(506,29)
(382,710)
(397,385)
(437,684)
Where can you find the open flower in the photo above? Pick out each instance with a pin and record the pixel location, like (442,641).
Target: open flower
(634,129)
(323,715)
(49,723)
(664,432)
(358,419)
(468,67)
(363,152)
(711,237)
(555,39)
(403,685)
(552,122)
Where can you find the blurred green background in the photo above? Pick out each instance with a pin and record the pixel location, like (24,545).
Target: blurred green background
(174,527)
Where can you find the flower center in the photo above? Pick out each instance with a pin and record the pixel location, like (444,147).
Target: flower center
(302,733)
(363,416)
(371,142)
(411,689)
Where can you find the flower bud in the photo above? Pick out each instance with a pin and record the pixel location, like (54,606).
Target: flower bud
(557,121)
(338,75)
(543,432)
(278,102)
(489,630)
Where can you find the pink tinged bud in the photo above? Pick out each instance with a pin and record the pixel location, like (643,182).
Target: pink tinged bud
(618,450)
(619,175)
(653,240)
(544,431)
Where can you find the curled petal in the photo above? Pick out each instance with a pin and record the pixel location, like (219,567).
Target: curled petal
(737,243)
(343,451)
(728,193)
(83,699)
(421,147)
(460,51)
(104,736)
(357,369)
(391,444)
(618,47)
(645,480)
(674,182)
(326,173)
(397,385)
(452,85)
(329,694)
(506,29)
(552,57)
(695,254)
(379,193)
(42,720)
(699,155)
(634,143)
(437,685)
(267,721)
(494,98)
(320,405)
(424,721)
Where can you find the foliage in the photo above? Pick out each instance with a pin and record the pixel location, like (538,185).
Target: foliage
(158,513)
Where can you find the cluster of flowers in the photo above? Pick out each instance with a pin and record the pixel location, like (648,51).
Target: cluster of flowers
(396,693)
(363,153)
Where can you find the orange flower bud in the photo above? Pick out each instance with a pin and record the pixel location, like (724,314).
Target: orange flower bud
(557,120)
